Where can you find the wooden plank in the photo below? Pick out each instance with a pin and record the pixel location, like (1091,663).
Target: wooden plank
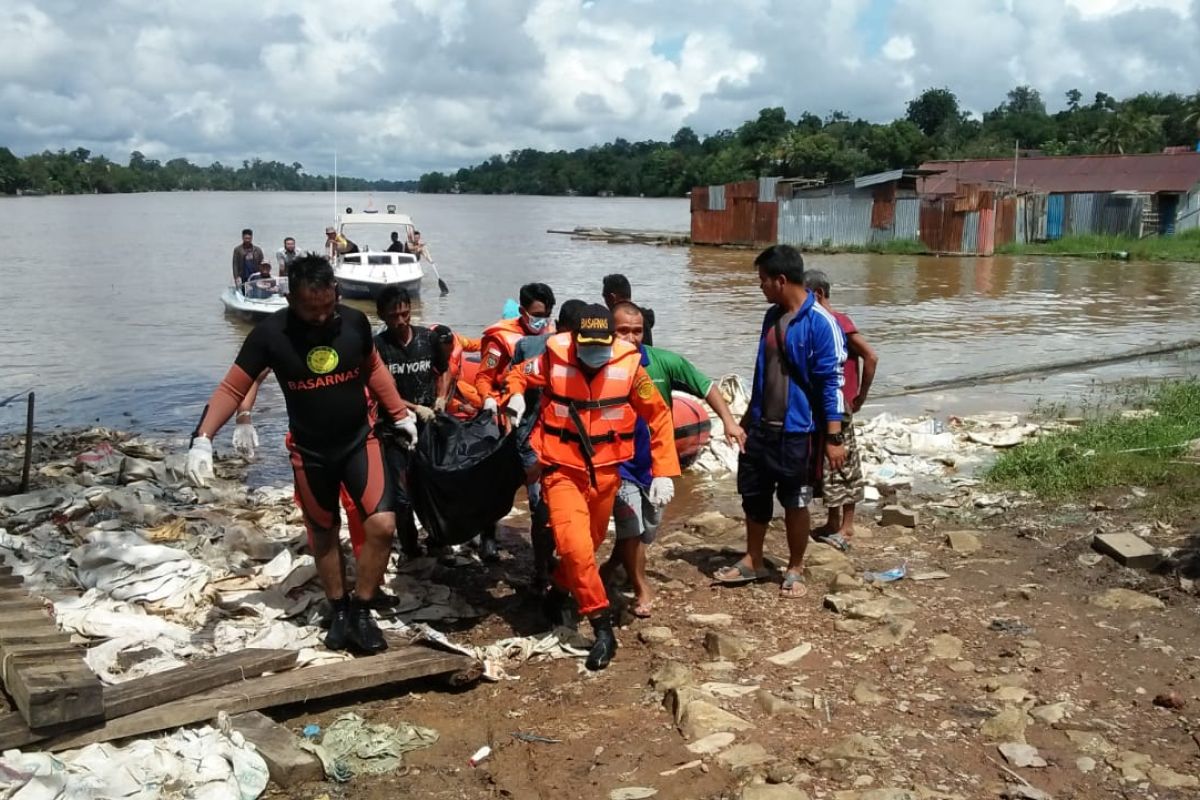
(17,618)
(51,695)
(401,663)
(174,684)
(32,635)
(24,602)
(1128,549)
(286,762)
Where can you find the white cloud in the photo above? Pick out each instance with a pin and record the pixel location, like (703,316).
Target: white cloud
(403,86)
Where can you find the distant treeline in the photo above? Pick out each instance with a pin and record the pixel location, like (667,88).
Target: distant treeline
(79,172)
(836,147)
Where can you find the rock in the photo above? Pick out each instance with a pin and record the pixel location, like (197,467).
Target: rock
(1127,549)
(845,583)
(701,718)
(789,657)
(773,791)
(1169,779)
(1006,726)
(853,626)
(1016,791)
(1125,600)
(731,690)
(822,564)
(711,523)
(945,647)
(720,644)
(857,747)
(676,700)
(963,542)
(711,744)
(1090,742)
(744,756)
(632,793)
(1133,766)
(1021,755)
(656,635)
(897,515)
(890,634)
(718,667)
(889,794)
(1010,694)
(774,706)
(866,694)
(1085,764)
(672,675)
(1171,700)
(962,667)
(710,620)
(1052,713)
(868,605)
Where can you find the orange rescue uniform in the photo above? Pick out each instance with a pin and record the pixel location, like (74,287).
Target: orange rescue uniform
(584,432)
(464,401)
(497,346)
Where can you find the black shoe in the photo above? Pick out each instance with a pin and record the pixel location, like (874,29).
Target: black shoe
(556,607)
(363,633)
(339,624)
(384,603)
(488,551)
(605,648)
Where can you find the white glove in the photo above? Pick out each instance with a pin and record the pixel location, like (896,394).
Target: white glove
(200,462)
(245,440)
(490,405)
(516,409)
(662,491)
(407,428)
(424,413)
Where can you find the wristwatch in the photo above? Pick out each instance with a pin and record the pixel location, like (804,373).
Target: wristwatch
(835,438)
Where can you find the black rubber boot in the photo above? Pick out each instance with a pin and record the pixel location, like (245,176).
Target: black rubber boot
(605,648)
(556,608)
(339,624)
(363,633)
(383,603)
(488,550)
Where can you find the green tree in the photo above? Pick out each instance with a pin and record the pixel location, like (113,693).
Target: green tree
(933,111)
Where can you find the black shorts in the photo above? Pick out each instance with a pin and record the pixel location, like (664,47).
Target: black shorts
(779,464)
(361,471)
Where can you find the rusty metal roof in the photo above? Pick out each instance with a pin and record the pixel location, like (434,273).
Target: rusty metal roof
(1153,173)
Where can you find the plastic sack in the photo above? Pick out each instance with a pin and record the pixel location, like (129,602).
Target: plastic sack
(463,477)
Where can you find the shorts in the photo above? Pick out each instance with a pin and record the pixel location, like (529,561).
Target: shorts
(634,515)
(361,471)
(845,487)
(776,463)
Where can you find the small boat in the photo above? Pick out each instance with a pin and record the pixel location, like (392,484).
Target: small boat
(364,274)
(255,299)
(693,428)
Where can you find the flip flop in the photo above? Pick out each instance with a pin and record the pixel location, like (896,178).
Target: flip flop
(740,574)
(793,586)
(835,540)
(641,610)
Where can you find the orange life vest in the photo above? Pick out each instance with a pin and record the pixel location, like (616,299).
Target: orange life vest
(508,332)
(586,424)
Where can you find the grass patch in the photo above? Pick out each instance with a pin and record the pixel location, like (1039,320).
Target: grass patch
(897,247)
(1181,247)
(1111,449)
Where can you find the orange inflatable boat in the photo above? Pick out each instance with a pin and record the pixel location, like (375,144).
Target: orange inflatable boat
(693,428)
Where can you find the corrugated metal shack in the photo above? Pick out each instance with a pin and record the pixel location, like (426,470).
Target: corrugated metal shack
(870,209)
(736,213)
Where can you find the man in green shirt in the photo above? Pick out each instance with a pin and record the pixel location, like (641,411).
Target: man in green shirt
(636,518)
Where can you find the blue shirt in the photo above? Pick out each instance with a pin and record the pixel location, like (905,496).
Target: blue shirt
(815,349)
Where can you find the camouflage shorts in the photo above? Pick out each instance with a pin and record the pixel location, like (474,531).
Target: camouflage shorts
(846,486)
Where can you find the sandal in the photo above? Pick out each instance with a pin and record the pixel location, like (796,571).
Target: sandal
(740,574)
(793,586)
(641,610)
(835,540)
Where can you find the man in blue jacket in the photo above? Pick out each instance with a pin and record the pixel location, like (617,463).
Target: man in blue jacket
(794,419)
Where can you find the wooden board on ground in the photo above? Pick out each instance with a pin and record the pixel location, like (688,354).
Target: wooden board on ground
(280,748)
(401,663)
(50,695)
(142,693)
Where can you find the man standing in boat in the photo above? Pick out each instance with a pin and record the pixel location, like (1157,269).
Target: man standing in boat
(635,516)
(324,358)
(246,258)
(285,255)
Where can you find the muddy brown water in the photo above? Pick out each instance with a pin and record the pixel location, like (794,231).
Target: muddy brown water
(113,313)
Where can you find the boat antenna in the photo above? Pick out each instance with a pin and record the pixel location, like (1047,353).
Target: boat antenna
(335,193)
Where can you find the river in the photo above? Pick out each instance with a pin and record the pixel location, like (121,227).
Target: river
(112,310)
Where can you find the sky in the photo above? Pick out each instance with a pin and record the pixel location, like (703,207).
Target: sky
(402,87)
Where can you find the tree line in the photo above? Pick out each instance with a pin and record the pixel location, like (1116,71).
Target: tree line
(80,172)
(835,147)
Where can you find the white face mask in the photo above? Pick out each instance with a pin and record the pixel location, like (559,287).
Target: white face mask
(594,356)
(537,324)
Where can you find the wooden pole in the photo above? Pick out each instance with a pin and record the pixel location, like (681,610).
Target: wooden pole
(28,445)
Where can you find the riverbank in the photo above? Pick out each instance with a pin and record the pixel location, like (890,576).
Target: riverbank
(1184,247)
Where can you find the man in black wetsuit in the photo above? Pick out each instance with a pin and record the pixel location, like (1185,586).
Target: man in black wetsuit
(323,356)
(418,364)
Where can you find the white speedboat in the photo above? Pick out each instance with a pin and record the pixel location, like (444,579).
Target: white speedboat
(255,299)
(367,272)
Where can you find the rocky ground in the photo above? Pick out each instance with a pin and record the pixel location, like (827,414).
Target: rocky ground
(1012,661)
